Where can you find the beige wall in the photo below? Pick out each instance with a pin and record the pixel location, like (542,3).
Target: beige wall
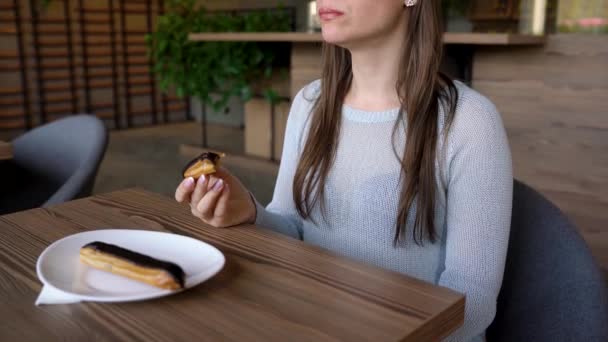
(553,102)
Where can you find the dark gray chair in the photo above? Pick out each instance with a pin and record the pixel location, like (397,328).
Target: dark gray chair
(553,289)
(53,163)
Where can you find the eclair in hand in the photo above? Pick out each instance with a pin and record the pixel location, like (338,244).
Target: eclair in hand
(205,164)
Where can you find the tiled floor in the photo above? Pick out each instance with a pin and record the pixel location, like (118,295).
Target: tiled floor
(152,158)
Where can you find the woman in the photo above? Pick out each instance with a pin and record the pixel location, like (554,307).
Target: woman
(386,160)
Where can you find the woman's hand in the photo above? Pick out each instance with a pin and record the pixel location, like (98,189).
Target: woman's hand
(219,199)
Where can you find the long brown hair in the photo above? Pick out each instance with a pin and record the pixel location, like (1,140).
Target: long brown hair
(421,88)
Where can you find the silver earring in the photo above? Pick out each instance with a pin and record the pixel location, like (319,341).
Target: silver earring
(410,3)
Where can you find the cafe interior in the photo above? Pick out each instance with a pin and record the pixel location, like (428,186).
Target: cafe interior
(104,104)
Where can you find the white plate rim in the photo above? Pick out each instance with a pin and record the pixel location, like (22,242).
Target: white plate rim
(125,298)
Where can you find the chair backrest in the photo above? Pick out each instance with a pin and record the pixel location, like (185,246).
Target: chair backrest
(553,290)
(66,153)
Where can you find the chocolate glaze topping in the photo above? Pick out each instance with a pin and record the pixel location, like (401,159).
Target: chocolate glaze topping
(139,259)
(213,157)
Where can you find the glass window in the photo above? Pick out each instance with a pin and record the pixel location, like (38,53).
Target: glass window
(589,16)
(526,16)
(504,16)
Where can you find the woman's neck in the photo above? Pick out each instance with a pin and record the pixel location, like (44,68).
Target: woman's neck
(375,68)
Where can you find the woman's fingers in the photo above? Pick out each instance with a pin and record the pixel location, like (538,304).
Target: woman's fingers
(199,191)
(183,191)
(211,182)
(221,209)
(209,197)
(206,207)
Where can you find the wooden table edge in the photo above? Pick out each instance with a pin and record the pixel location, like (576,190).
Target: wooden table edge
(455,309)
(426,328)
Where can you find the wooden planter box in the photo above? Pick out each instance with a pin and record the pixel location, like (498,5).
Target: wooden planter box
(259,131)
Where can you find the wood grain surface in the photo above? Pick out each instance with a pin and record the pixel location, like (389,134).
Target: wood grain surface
(6,150)
(271,288)
(553,103)
(303,37)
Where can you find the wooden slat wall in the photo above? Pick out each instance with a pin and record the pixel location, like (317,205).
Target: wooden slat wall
(553,103)
(100,68)
(14,99)
(54,58)
(95,86)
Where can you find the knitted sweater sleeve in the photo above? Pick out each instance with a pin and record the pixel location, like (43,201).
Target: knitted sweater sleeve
(280,214)
(478,213)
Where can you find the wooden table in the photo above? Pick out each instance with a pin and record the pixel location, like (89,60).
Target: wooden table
(6,150)
(271,288)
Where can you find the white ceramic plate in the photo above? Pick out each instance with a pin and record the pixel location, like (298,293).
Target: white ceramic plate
(59,266)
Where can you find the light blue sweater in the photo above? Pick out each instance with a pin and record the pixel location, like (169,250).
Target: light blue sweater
(473,200)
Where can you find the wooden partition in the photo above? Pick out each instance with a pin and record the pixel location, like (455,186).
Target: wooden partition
(57,94)
(99,75)
(553,103)
(81,56)
(14,97)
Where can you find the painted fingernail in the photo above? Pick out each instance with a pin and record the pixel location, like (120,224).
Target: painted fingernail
(218,185)
(189,182)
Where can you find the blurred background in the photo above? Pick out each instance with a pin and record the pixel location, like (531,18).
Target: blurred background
(168,84)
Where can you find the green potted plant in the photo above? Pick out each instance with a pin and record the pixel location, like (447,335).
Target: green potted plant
(455,15)
(214,72)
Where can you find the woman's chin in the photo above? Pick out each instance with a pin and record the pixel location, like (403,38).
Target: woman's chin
(332,36)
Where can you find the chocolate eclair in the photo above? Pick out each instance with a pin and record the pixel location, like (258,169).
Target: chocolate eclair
(206,163)
(133,265)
